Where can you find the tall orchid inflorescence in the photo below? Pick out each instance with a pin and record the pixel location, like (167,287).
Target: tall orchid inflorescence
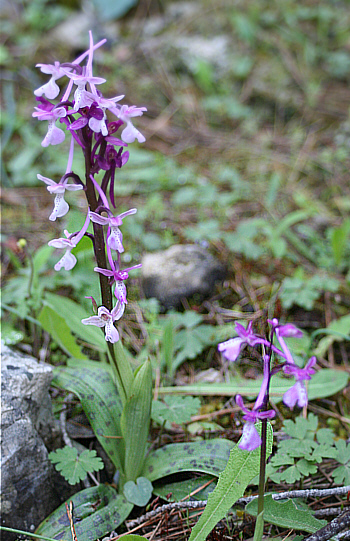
(296,395)
(83,117)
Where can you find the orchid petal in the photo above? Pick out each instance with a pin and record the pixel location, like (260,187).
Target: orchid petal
(60,209)
(68,261)
(250,439)
(231,348)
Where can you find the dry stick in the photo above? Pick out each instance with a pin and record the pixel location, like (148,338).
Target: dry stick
(335,526)
(311,493)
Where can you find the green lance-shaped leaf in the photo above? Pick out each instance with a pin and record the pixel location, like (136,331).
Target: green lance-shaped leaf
(135,421)
(241,468)
(57,327)
(207,456)
(73,313)
(96,512)
(287,514)
(94,387)
(122,371)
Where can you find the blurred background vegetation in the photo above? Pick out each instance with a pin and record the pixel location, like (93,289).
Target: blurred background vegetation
(247,152)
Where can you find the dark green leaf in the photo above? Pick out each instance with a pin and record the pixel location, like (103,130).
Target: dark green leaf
(286,514)
(209,456)
(97,511)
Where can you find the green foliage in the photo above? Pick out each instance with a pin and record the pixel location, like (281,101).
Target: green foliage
(337,331)
(325,382)
(304,291)
(287,514)
(139,492)
(297,457)
(179,490)
(241,468)
(207,456)
(97,511)
(73,466)
(341,474)
(94,386)
(175,409)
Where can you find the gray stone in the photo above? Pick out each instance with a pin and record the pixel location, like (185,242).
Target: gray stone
(29,483)
(180,272)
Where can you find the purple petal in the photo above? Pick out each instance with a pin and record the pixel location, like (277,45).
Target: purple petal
(54,135)
(120,292)
(289,330)
(115,240)
(97,219)
(94,320)
(105,272)
(60,209)
(111,333)
(68,261)
(250,439)
(296,395)
(50,89)
(118,311)
(231,348)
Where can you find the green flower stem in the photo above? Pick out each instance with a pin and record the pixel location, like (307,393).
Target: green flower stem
(262,472)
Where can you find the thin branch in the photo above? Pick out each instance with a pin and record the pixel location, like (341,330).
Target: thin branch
(312,493)
(335,526)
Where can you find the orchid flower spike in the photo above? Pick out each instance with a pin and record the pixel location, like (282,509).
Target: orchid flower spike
(61,207)
(298,394)
(115,236)
(106,319)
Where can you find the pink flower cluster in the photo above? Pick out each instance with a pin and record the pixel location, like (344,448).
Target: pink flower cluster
(297,394)
(82,114)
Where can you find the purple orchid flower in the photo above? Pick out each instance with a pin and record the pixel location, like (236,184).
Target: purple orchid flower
(298,394)
(106,319)
(54,135)
(250,437)
(99,124)
(61,207)
(118,276)
(115,236)
(68,260)
(125,112)
(51,89)
(231,348)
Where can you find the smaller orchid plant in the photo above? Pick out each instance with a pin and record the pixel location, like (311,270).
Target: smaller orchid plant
(275,359)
